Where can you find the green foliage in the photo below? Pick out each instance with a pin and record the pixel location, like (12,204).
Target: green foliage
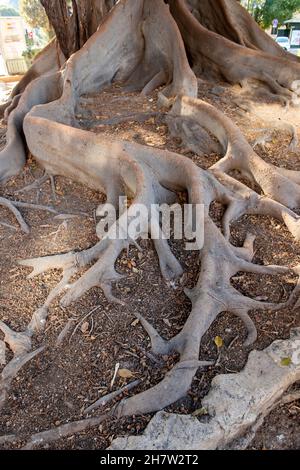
(265,11)
(281,9)
(34,14)
(8,11)
(286,361)
(30,54)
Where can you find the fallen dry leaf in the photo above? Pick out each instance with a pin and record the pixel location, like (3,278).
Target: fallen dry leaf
(125,373)
(85,327)
(219,342)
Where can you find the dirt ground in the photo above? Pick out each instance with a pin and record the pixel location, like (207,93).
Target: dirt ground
(56,386)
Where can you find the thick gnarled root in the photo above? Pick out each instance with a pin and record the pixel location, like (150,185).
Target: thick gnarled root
(49,60)
(14,205)
(213,55)
(20,345)
(62,90)
(209,299)
(40,91)
(100,261)
(276,183)
(245,32)
(152,175)
(220,261)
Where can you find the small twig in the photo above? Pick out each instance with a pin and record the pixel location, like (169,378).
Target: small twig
(35,185)
(135,244)
(92,327)
(125,347)
(71,216)
(4,224)
(37,207)
(233,341)
(217,363)
(53,189)
(129,353)
(63,225)
(10,205)
(117,366)
(82,320)
(103,401)
(108,317)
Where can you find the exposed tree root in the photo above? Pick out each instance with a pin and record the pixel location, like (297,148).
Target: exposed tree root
(2,353)
(7,439)
(35,185)
(16,213)
(235,403)
(9,226)
(13,156)
(136,117)
(219,258)
(154,55)
(290,398)
(65,430)
(213,54)
(49,60)
(64,333)
(103,401)
(11,370)
(268,132)
(222,19)
(13,205)
(194,138)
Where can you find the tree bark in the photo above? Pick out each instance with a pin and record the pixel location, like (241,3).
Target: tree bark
(229,19)
(74,26)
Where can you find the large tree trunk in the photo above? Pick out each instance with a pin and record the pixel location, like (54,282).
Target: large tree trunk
(143,45)
(73,27)
(229,19)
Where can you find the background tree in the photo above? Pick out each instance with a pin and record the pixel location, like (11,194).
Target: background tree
(265,11)
(8,11)
(35,16)
(252,5)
